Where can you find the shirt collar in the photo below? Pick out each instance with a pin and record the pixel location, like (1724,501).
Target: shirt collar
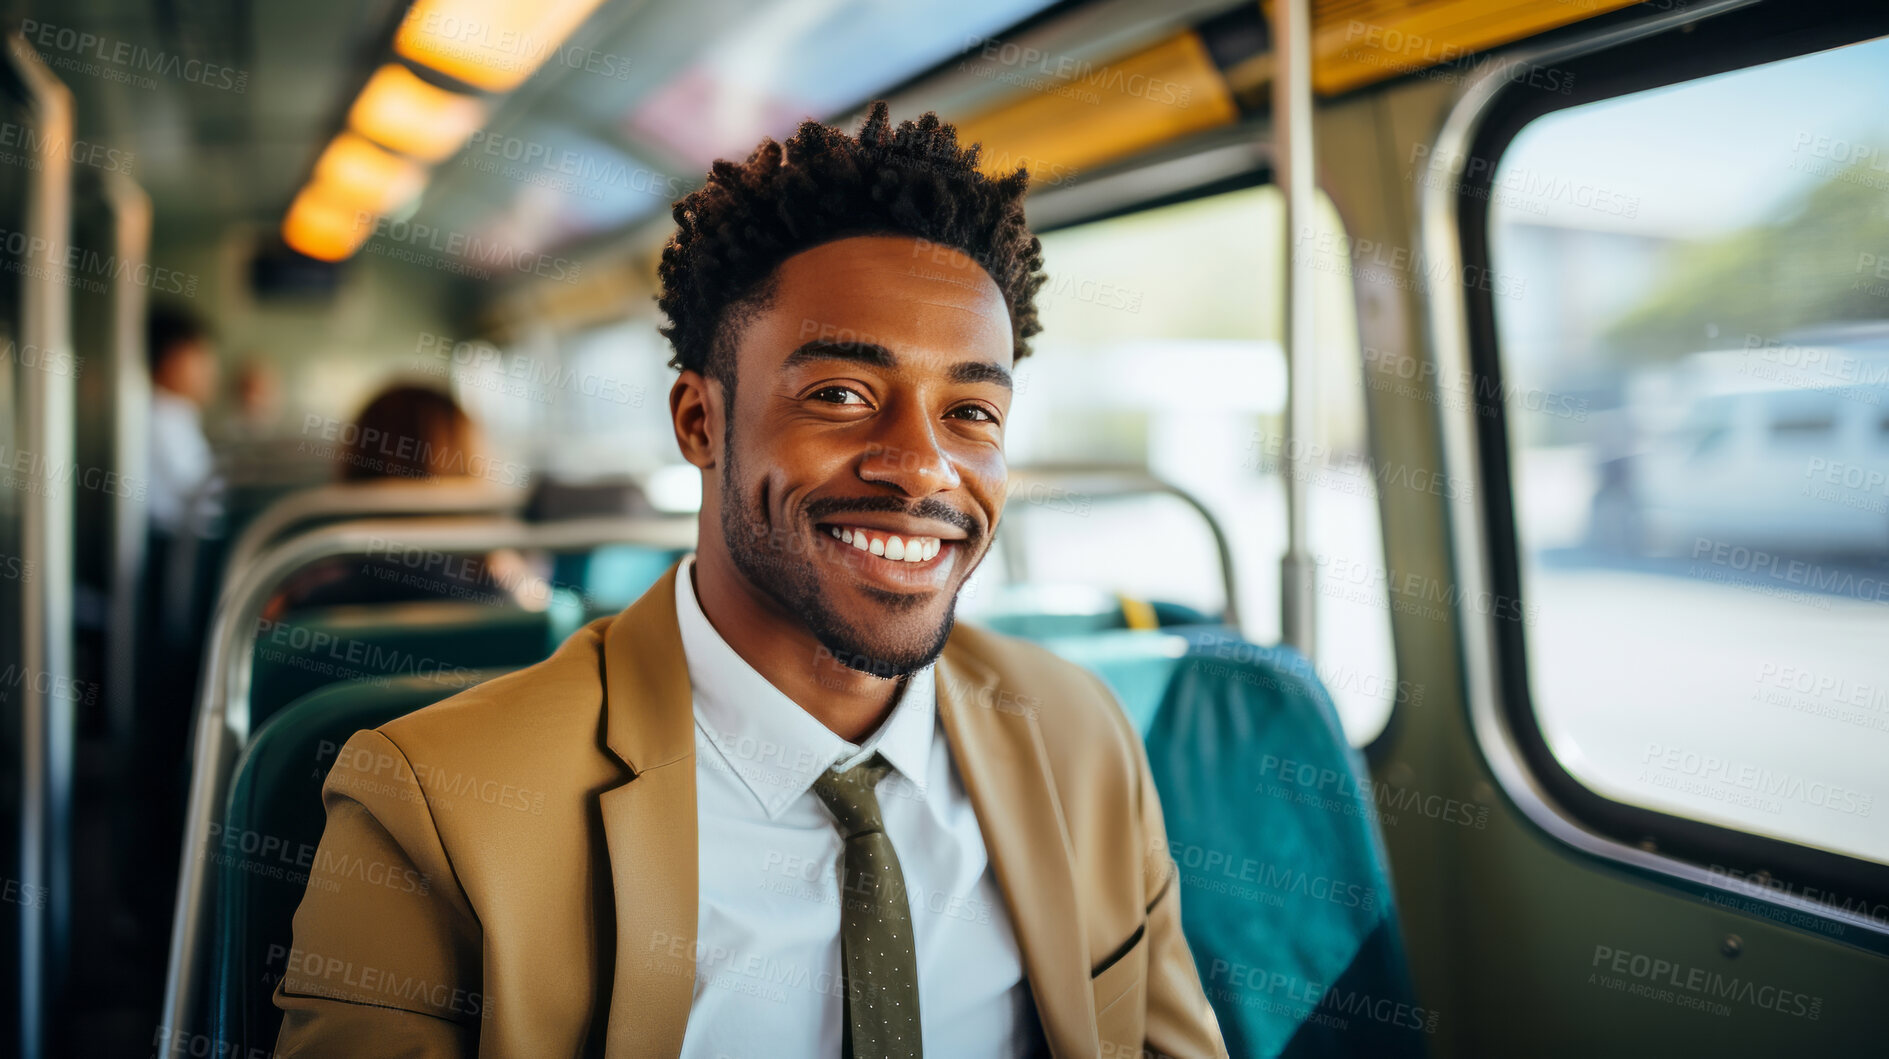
(776,748)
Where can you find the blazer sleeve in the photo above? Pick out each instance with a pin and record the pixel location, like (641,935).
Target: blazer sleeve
(1180,1022)
(386,958)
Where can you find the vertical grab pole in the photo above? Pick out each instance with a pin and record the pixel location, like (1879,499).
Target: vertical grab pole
(46,709)
(1292,133)
(131,410)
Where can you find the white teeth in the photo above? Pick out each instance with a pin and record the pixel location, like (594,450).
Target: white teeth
(835,531)
(892,546)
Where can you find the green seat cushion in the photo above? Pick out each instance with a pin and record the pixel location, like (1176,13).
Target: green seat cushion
(265,845)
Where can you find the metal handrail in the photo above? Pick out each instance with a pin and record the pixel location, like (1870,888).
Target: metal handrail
(374,498)
(131,427)
(1296,173)
(367,499)
(1105,481)
(47,410)
(222,721)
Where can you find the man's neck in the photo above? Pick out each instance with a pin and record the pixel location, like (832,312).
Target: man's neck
(851,704)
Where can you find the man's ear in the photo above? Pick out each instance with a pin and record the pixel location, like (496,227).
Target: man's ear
(696,410)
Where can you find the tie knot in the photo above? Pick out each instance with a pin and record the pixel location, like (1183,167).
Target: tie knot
(850,796)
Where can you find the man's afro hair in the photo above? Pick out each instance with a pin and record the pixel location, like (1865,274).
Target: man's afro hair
(823,185)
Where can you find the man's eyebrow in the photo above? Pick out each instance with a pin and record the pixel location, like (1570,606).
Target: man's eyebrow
(982,371)
(876,355)
(870,353)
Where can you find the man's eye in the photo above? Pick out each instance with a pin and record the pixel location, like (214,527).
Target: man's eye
(973,413)
(837,395)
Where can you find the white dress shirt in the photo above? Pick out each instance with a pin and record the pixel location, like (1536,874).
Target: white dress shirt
(768,981)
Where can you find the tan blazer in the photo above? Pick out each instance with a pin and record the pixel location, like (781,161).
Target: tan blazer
(512,872)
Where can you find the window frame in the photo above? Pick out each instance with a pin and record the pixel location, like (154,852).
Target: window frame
(1615,57)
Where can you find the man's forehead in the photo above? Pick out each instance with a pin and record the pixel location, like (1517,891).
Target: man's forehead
(893,259)
(894,291)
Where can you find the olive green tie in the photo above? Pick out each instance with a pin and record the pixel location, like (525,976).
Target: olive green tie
(876,952)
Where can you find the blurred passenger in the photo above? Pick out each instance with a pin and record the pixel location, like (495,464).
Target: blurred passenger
(258,403)
(183,382)
(183,501)
(412,433)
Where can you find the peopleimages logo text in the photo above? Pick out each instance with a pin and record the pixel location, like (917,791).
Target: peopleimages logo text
(471,249)
(1705,985)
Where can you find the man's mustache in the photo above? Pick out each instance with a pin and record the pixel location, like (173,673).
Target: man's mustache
(823,510)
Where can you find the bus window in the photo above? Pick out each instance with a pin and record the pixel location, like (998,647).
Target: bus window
(1694,388)
(1161,349)
(1803,418)
(589,403)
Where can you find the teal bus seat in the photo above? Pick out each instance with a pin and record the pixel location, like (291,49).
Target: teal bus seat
(1136,664)
(310,648)
(1045,612)
(1286,894)
(1090,628)
(614,575)
(266,845)
(1043,626)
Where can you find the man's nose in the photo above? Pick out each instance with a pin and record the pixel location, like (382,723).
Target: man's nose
(907,454)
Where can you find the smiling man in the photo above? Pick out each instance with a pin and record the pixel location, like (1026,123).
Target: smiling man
(782,805)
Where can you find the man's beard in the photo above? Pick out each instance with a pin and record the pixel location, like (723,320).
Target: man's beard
(783,567)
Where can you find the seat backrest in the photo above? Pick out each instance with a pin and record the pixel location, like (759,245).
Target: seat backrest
(266,845)
(309,648)
(1136,664)
(1055,611)
(615,575)
(1285,887)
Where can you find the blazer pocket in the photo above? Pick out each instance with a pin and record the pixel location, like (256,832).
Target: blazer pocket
(1121,970)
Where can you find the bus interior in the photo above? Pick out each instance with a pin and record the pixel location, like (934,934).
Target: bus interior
(1392,350)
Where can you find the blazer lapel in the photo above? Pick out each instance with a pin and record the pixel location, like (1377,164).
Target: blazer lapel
(997,743)
(649,825)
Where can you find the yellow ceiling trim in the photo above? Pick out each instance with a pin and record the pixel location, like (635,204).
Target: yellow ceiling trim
(1358,42)
(1071,115)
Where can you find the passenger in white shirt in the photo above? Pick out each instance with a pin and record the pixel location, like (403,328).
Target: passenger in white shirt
(183,381)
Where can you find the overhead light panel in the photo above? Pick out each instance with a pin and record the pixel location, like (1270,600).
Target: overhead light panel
(325,227)
(489,44)
(355,171)
(399,111)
